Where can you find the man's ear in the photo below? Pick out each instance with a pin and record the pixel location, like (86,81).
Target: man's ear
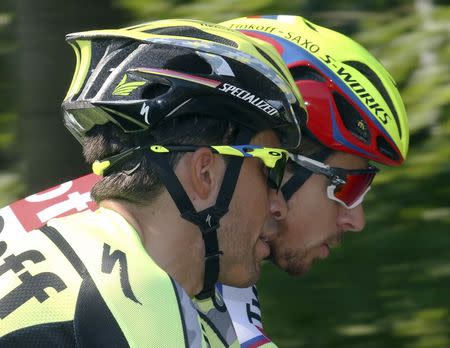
(206,173)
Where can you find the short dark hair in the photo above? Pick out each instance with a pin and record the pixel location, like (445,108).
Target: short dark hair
(143,185)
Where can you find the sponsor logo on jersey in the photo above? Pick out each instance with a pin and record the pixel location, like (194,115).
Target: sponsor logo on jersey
(68,198)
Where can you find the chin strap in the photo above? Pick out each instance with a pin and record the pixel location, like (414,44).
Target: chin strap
(208,220)
(302,174)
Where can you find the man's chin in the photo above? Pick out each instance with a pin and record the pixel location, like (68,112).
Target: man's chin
(296,271)
(290,267)
(295,268)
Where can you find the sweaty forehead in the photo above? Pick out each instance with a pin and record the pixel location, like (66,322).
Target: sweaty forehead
(266,138)
(347,161)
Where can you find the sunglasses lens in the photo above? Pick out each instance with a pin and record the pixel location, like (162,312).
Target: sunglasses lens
(356,185)
(275,175)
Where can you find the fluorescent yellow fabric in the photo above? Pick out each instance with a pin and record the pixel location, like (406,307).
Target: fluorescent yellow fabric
(148,307)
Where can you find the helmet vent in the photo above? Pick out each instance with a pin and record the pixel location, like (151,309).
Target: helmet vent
(110,61)
(386,149)
(190,63)
(114,45)
(352,119)
(306,73)
(154,90)
(375,80)
(266,56)
(191,33)
(127,124)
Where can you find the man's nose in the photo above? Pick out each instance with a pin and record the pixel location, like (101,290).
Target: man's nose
(351,219)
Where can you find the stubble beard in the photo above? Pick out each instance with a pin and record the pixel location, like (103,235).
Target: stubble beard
(238,261)
(291,262)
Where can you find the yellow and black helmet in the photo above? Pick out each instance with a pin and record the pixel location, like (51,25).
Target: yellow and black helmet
(352,101)
(138,76)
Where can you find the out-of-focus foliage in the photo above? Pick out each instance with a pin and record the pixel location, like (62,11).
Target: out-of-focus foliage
(45,64)
(9,184)
(209,10)
(218,10)
(7,86)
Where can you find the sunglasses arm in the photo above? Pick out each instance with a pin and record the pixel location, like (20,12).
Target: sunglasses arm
(312,165)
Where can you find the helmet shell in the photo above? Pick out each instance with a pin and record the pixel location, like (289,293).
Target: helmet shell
(353,104)
(139,76)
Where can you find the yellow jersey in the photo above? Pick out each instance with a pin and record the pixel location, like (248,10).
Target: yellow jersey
(85,280)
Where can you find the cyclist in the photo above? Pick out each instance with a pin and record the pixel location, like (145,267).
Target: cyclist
(355,115)
(183,120)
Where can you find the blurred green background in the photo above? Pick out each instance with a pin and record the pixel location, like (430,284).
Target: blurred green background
(388,286)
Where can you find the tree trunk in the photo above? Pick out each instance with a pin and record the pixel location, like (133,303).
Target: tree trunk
(46,64)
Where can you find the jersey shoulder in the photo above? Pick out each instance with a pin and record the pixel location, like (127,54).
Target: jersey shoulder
(96,277)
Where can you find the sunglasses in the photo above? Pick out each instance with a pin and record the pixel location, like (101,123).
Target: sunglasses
(347,186)
(274,159)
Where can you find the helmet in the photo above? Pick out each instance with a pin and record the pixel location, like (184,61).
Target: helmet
(139,76)
(353,103)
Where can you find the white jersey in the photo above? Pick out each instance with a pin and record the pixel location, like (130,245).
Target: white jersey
(244,309)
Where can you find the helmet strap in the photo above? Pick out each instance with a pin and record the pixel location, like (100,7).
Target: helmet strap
(208,220)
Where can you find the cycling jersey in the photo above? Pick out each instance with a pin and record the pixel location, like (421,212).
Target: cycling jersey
(85,280)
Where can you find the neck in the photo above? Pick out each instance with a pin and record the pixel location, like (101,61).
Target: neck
(172,242)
